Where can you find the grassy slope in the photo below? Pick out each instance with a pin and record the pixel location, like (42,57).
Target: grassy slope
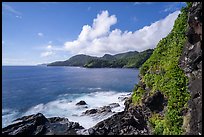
(161,72)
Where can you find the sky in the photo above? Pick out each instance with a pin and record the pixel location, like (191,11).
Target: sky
(43,32)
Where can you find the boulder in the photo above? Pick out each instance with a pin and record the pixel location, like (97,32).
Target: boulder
(114,105)
(131,122)
(81,103)
(91,111)
(38,124)
(102,110)
(122,98)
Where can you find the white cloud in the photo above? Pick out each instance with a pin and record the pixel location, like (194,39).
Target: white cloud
(3,42)
(10,9)
(97,39)
(173,6)
(139,3)
(19,17)
(40,34)
(47,53)
(49,47)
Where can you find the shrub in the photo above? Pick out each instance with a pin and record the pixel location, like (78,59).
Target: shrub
(161,72)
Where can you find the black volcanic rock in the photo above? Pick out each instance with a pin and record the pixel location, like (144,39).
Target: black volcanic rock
(105,109)
(156,102)
(81,103)
(191,63)
(102,110)
(114,105)
(90,111)
(40,125)
(133,120)
(129,122)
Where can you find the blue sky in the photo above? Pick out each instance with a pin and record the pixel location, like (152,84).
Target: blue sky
(42,32)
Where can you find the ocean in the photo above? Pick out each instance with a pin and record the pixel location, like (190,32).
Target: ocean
(54,91)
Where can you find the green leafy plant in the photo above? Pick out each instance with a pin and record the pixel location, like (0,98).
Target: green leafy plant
(161,72)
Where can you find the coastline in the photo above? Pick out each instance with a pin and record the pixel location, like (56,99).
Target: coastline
(67,107)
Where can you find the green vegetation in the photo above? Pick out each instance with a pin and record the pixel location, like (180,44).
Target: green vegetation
(161,72)
(78,60)
(137,95)
(157,123)
(97,63)
(132,59)
(123,60)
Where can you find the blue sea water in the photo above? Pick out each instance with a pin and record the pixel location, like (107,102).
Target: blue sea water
(54,91)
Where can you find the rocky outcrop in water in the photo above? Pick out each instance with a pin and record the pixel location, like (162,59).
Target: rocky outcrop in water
(191,63)
(102,110)
(129,122)
(40,125)
(81,103)
(133,120)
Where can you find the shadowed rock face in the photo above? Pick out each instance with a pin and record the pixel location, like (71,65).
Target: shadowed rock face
(191,63)
(40,125)
(131,122)
(156,103)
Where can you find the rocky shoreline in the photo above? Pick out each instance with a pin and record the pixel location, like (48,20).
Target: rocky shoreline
(131,121)
(38,124)
(134,119)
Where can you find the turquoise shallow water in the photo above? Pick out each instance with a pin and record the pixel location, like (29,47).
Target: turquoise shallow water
(32,89)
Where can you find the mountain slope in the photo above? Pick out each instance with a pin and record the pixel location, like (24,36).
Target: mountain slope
(78,60)
(122,60)
(132,59)
(126,55)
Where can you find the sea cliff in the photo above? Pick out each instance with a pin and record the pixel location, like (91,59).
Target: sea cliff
(166,101)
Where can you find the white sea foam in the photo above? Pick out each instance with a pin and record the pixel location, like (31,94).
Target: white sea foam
(94,88)
(8,115)
(63,107)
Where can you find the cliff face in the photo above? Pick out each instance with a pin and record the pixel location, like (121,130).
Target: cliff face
(168,98)
(162,90)
(191,63)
